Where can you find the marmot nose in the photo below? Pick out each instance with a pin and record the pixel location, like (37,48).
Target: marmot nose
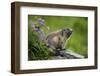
(71,30)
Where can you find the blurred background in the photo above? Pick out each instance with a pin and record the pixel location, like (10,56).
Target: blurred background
(77,43)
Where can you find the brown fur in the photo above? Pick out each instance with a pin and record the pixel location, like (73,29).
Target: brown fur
(57,40)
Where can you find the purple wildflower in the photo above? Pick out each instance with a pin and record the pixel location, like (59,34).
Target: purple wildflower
(32,24)
(41,21)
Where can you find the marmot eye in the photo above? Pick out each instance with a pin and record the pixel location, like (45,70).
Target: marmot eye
(65,29)
(69,30)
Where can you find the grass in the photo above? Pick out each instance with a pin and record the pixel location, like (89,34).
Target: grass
(77,42)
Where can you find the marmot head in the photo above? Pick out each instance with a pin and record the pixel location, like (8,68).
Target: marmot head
(67,32)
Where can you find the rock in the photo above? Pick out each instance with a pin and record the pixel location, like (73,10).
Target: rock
(74,55)
(67,54)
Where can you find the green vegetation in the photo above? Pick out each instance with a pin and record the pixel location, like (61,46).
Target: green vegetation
(37,49)
(77,43)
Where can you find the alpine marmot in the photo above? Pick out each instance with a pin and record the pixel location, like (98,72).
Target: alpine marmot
(57,40)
